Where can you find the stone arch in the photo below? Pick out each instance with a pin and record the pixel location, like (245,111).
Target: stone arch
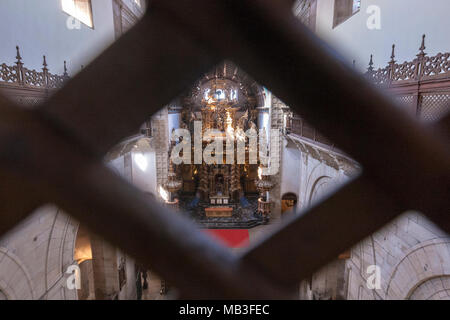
(312,176)
(436,288)
(318,188)
(422,263)
(15,279)
(60,255)
(319,177)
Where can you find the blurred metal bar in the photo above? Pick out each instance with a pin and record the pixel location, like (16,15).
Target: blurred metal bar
(18,197)
(133,79)
(94,108)
(307,242)
(83,186)
(60,145)
(109,206)
(339,221)
(280,53)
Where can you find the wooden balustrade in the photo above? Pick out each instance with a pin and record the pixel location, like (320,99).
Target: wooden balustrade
(421,87)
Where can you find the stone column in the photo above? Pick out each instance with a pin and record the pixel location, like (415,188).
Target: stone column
(160,125)
(276,122)
(104,265)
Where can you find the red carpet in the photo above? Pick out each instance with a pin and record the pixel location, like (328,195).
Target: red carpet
(233,238)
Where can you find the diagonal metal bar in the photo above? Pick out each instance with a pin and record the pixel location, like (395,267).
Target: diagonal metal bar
(17,200)
(83,186)
(444,127)
(304,244)
(18,197)
(143,71)
(90,177)
(87,114)
(159,239)
(344,218)
(356,119)
(300,51)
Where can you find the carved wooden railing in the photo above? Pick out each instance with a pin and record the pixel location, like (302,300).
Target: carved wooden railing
(28,86)
(421,85)
(22,76)
(54,153)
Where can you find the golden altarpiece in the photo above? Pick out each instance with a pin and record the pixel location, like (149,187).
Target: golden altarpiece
(224,192)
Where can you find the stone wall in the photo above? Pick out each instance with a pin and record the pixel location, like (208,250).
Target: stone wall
(414,259)
(413,255)
(160,127)
(34,257)
(276,122)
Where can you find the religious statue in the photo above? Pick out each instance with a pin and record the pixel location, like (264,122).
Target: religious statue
(243,120)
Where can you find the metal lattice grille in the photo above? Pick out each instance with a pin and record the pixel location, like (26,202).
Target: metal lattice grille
(166,52)
(405,100)
(434,106)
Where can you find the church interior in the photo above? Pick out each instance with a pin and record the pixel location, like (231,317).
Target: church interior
(147,158)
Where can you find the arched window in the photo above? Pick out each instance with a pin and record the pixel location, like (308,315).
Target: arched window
(288,203)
